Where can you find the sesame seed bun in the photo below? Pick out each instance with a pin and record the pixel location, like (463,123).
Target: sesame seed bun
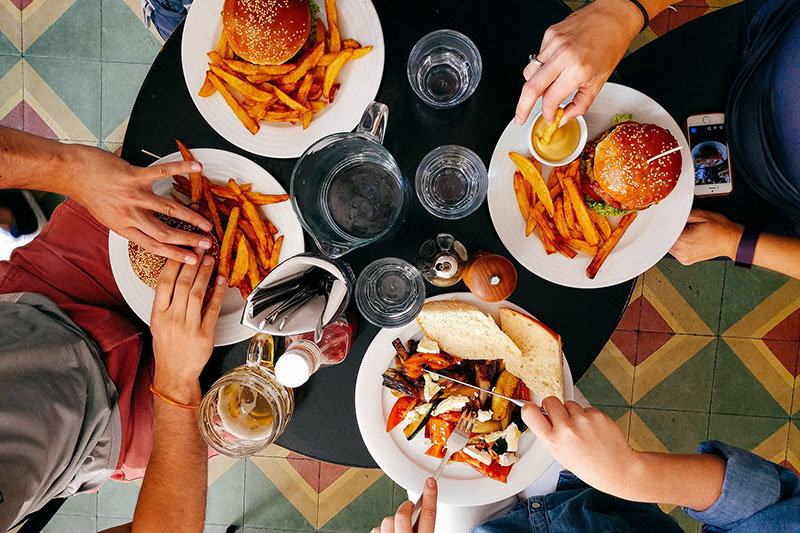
(147,265)
(266,32)
(616,171)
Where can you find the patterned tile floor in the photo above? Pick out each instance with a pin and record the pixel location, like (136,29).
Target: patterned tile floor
(708,351)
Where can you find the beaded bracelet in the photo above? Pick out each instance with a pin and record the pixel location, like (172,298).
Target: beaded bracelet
(172,402)
(644,14)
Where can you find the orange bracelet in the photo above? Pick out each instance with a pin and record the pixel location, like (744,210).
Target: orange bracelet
(173,402)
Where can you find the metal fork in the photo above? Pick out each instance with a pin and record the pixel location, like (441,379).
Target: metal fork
(455,443)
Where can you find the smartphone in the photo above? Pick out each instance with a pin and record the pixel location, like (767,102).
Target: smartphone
(710,154)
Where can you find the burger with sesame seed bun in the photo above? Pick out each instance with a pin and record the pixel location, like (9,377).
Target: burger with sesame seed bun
(266,32)
(147,265)
(615,174)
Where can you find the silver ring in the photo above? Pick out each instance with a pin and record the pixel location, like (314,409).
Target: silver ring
(532,59)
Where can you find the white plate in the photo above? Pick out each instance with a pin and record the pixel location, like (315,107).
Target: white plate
(359,78)
(218,166)
(647,239)
(405,461)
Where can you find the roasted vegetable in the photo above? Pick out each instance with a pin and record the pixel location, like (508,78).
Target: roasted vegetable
(401,408)
(506,385)
(400,349)
(413,366)
(494,470)
(439,430)
(413,428)
(394,380)
(487,427)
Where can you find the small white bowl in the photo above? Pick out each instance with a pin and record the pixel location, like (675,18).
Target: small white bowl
(575,153)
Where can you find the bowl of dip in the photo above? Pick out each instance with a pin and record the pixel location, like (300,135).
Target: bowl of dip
(567,142)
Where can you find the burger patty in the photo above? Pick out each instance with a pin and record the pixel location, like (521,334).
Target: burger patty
(588,184)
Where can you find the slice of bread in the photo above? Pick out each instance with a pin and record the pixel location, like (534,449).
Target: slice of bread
(463,330)
(540,367)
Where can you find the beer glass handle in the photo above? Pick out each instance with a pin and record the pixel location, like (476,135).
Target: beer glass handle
(261,350)
(373,121)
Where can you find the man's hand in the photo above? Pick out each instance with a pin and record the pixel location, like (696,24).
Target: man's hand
(587,442)
(579,53)
(707,235)
(183,332)
(401,521)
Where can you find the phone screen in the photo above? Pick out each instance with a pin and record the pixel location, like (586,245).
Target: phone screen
(710,154)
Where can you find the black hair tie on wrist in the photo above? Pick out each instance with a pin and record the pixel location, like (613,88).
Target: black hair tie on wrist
(644,14)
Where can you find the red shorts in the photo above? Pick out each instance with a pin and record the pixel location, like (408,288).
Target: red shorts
(68,263)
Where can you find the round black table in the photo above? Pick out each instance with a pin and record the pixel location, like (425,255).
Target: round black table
(324,423)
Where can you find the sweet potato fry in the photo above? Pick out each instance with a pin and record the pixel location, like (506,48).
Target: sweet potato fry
(212,207)
(195,179)
(581,211)
(333,71)
(241,112)
(522,197)
(276,252)
(306,63)
(534,177)
(227,244)
(241,264)
(333,25)
(207,89)
(547,134)
(247,89)
(605,249)
(601,222)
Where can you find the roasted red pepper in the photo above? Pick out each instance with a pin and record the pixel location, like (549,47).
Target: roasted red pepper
(402,406)
(439,430)
(494,470)
(412,366)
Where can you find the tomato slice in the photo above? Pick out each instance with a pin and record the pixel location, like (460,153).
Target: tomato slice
(494,470)
(439,431)
(402,406)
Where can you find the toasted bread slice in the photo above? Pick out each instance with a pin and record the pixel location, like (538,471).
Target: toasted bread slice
(540,367)
(463,330)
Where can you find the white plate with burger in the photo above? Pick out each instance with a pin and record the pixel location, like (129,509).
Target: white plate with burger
(218,166)
(359,78)
(651,234)
(460,329)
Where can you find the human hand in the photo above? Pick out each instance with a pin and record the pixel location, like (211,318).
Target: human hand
(183,332)
(580,53)
(706,235)
(401,521)
(120,196)
(585,441)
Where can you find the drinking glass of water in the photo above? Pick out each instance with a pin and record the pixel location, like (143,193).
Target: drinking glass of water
(451,182)
(390,292)
(444,68)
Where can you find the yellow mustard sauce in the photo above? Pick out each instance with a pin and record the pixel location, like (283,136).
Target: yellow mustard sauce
(564,140)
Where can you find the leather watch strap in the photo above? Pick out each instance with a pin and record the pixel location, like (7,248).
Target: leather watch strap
(747,247)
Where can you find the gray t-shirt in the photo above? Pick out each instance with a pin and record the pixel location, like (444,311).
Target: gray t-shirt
(60,428)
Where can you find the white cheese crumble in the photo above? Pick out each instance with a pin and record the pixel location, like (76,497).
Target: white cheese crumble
(431,388)
(428,345)
(484,416)
(415,414)
(510,434)
(451,403)
(507,459)
(481,455)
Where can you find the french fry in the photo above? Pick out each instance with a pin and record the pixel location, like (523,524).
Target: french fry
(601,222)
(306,117)
(582,246)
(261,79)
(545,231)
(270,227)
(349,44)
(319,32)
(360,52)
(569,212)
(306,63)
(251,214)
(222,43)
(252,266)
(333,71)
(522,197)
(547,134)
(207,89)
(195,178)
(212,207)
(553,179)
(276,252)
(317,106)
(572,169)
(605,249)
(241,264)
(581,211)
(561,245)
(305,87)
(534,177)
(245,289)
(333,25)
(530,225)
(255,198)
(227,244)
(289,101)
(247,89)
(332,94)
(560,219)
(233,103)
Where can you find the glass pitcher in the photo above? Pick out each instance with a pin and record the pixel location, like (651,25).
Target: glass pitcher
(347,189)
(246,409)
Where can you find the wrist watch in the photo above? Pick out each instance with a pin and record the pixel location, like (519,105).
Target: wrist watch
(747,247)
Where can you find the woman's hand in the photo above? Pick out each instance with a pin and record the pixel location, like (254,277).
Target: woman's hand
(401,521)
(707,235)
(183,332)
(579,53)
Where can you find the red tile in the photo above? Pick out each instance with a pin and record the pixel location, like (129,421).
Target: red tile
(651,320)
(684,14)
(788,329)
(630,318)
(785,352)
(21,4)
(14,117)
(790,466)
(307,468)
(660,23)
(649,342)
(35,124)
(625,341)
(328,473)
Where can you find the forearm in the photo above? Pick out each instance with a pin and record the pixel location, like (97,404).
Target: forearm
(781,254)
(693,481)
(31,162)
(173,495)
(631,12)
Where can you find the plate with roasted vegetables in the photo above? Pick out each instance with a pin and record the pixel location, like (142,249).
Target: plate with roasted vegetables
(405,413)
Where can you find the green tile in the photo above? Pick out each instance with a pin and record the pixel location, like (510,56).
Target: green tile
(226,497)
(366,511)
(77,84)
(80,504)
(121,83)
(599,391)
(688,388)
(72,524)
(6,62)
(747,432)
(265,505)
(7,47)
(216,528)
(125,37)
(399,495)
(75,34)
(117,500)
(700,285)
(745,289)
(250,529)
(688,524)
(678,431)
(737,391)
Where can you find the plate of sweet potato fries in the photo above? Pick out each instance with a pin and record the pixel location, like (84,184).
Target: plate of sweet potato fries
(280,110)
(254,225)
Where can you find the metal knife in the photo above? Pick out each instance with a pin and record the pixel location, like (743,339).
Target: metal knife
(515,401)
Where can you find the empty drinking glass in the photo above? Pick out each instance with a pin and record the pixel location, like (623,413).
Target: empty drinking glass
(451,181)
(390,292)
(444,68)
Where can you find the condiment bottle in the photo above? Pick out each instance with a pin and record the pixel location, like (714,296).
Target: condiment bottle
(303,356)
(490,277)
